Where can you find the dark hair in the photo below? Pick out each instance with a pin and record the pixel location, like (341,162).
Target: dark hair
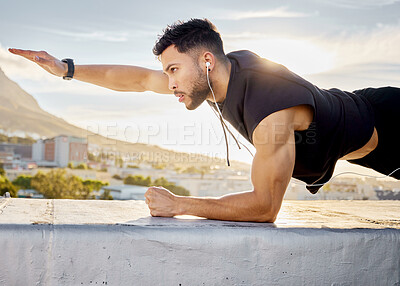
(190,35)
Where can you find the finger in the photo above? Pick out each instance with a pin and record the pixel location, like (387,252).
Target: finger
(24,53)
(28,53)
(153,213)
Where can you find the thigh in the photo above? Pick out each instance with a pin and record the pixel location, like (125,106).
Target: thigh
(386,105)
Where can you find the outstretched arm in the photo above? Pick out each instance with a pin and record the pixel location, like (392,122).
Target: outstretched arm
(271,172)
(115,77)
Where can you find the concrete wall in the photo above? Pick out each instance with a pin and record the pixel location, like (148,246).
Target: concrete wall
(123,255)
(117,243)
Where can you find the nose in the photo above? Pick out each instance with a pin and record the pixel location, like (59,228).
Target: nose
(172,84)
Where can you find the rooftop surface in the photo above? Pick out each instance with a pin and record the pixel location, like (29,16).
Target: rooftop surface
(298,214)
(71,242)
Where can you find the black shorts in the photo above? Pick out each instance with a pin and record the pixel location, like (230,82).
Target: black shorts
(385,158)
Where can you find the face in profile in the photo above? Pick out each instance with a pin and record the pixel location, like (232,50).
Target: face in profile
(186,76)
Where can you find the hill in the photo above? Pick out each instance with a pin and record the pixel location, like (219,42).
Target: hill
(20,112)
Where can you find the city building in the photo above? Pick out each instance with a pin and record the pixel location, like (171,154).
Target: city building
(16,156)
(6,159)
(126,192)
(59,151)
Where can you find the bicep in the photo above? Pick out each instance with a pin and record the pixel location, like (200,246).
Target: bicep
(157,81)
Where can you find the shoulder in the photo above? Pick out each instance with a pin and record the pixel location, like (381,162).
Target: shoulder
(248,61)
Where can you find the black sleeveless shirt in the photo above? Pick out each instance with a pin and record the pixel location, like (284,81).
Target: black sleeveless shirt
(343,121)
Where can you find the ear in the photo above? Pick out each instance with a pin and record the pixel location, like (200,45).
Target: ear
(208,57)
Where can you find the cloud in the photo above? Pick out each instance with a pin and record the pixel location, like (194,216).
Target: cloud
(110,36)
(377,46)
(116,35)
(364,59)
(280,12)
(357,4)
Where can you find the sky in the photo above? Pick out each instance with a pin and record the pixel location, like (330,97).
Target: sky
(345,44)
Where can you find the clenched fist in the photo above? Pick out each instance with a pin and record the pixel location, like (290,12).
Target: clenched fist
(162,202)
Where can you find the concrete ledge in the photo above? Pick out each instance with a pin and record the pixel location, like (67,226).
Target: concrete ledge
(64,242)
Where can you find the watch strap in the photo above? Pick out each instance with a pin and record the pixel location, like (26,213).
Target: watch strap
(71,68)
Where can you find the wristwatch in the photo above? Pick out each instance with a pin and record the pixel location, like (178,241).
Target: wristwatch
(71,68)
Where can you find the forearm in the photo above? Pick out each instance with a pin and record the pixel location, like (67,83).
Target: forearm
(115,77)
(244,206)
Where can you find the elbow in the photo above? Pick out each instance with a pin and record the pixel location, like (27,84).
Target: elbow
(266,210)
(266,217)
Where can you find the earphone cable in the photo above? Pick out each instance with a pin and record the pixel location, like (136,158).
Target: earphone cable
(224,125)
(343,173)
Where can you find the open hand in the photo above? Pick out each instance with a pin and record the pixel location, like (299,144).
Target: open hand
(161,202)
(44,60)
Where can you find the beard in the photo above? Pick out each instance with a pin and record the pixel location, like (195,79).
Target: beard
(199,91)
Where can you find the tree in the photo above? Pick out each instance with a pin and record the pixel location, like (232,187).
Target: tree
(57,184)
(161,182)
(138,180)
(159,166)
(2,172)
(106,195)
(133,166)
(177,190)
(191,170)
(94,185)
(117,177)
(204,170)
(82,166)
(7,186)
(119,162)
(23,182)
(327,187)
(91,157)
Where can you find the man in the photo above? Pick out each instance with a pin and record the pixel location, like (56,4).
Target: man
(297,129)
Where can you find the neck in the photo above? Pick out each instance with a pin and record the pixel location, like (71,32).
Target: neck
(220,80)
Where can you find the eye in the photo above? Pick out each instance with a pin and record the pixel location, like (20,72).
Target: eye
(173,69)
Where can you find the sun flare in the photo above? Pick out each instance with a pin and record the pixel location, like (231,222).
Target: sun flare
(302,57)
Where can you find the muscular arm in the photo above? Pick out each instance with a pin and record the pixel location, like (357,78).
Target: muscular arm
(271,172)
(123,77)
(115,77)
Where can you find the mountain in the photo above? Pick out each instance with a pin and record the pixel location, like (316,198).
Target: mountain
(20,112)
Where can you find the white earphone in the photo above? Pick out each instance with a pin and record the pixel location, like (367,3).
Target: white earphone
(207,64)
